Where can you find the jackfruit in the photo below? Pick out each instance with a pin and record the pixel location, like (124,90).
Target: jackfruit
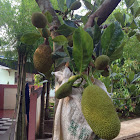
(75,5)
(39,20)
(43,59)
(45,33)
(100,113)
(101,62)
(66,89)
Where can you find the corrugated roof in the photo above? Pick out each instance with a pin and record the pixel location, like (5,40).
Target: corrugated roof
(13,64)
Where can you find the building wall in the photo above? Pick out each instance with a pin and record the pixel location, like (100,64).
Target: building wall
(10,98)
(3,95)
(7,76)
(38,111)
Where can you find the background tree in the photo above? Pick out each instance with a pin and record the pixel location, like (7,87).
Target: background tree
(15,22)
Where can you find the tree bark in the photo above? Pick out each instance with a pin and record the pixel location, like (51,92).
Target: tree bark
(47,101)
(102,12)
(24,136)
(18,117)
(21,124)
(41,129)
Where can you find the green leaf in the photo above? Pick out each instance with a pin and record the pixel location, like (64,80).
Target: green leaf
(30,38)
(132,88)
(56,55)
(60,61)
(133,25)
(131,75)
(111,38)
(136,77)
(129,3)
(88,5)
(61,40)
(117,53)
(120,18)
(138,36)
(137,12)
(65,30)
(70,23)
(127,18)
(69,2)
(82,49)
(48,16)
(131,33)
(61,4)
(134,8)
(96,34)
(84,19)
(75,5)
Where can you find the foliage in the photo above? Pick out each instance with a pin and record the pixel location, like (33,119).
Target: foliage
(126,68)
(117,38)
(15,22)
(126,87)
(112,40)
(38,80)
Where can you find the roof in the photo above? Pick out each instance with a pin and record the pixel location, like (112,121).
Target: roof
(3,67)
(13,64)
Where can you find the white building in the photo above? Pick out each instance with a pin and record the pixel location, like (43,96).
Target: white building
(7,75)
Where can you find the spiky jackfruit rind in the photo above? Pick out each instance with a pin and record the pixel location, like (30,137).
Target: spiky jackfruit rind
(64,90)
(75,5)
(43,59)
(39,20)
(101,62)
(100,113)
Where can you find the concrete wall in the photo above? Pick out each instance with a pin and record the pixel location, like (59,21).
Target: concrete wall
(10,98)
(38,110)
(34,114)
(11,95)
(7,76)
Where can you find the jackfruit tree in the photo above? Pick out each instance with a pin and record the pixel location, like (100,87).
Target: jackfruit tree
(90,49)
(88,45)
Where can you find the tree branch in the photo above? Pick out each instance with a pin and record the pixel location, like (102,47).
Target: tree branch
(102,12)
(45,5)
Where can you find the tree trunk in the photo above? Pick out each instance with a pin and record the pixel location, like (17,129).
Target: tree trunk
(18,117)
(47,101)
(21,127)
(24,136)
(41,129)
(102,12)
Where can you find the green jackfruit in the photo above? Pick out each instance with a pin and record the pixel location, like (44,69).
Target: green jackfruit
(101,62)
(66,89)
(45,33)
(100,113)
(39,20)
(43,59)
(75,5)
